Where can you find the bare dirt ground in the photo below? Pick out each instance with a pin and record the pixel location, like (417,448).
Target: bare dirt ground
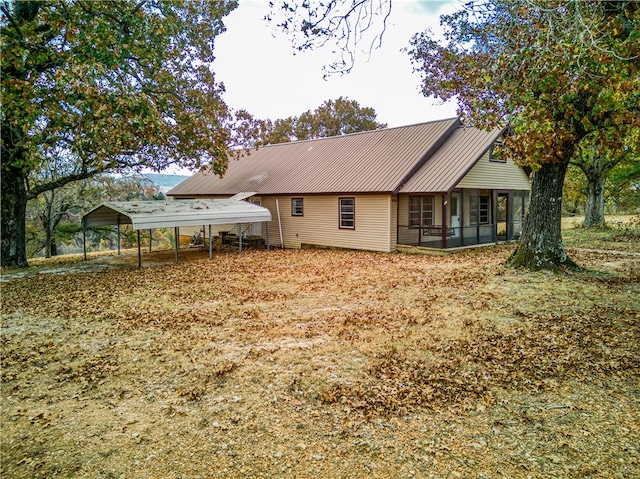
(322,364)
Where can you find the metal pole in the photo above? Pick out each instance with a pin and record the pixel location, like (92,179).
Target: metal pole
(139,253)
(210,244)
(266,227)
(84,242)
(118,239)
(239,237)
(177,233)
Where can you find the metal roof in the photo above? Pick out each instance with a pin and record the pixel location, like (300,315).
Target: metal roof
(367,162)
(452,161)
(159,214)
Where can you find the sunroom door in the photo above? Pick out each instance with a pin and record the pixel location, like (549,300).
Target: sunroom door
(455,208)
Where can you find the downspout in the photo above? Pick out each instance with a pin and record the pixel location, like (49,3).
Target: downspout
(279,224)
(397,220)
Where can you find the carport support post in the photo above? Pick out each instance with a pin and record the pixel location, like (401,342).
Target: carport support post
(139,252)
(210,244)
(177,233)
(84,242)
(118,239)
(239,237)
(266,228)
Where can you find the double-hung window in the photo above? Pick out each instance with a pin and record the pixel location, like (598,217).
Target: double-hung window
(479,207)
(484,210)
(297,207)
(420,211)
(347,213)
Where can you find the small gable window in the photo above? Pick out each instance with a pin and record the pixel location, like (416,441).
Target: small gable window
(498,153)
(297,207)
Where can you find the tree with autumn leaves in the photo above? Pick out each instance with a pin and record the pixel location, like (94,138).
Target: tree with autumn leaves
(558,73)
(106,86)
(124,85)
(333,118)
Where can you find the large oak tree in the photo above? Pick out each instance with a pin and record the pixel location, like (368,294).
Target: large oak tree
(107,86)
(559,72)
(597,164)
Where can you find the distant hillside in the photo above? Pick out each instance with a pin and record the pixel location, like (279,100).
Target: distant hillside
(165,182)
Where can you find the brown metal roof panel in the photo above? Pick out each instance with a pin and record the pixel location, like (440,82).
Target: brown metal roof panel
(394,155)
(371,161)
(452,161)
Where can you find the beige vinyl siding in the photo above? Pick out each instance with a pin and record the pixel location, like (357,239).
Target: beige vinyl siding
(488,174)
(394,223)
(319,223)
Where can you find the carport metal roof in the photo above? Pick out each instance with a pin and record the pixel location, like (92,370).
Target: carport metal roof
(161,214)
(144,215)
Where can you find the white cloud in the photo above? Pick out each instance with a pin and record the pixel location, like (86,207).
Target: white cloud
(261,73)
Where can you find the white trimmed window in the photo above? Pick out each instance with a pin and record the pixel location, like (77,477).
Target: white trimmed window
(347,211)
(297,207)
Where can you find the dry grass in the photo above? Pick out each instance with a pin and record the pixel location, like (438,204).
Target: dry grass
(322,364)
(621,233)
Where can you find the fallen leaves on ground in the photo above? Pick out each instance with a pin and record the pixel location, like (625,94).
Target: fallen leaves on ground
(323,364)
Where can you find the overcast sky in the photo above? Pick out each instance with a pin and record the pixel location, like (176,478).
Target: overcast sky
(262,75)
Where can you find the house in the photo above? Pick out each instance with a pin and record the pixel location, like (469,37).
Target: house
(436,185)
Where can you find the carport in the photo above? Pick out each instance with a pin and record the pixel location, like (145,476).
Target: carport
(143,215)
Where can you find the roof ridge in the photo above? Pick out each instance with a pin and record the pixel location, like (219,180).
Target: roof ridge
(377,130)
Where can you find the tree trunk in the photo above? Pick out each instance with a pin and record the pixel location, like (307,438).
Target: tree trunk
(48,241)
(540,245)
(13,213)
(47,221)
(594,206)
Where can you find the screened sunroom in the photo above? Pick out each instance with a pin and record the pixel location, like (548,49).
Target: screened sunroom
(464,217)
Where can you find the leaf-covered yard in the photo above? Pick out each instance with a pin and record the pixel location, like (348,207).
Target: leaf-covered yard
(323,364)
